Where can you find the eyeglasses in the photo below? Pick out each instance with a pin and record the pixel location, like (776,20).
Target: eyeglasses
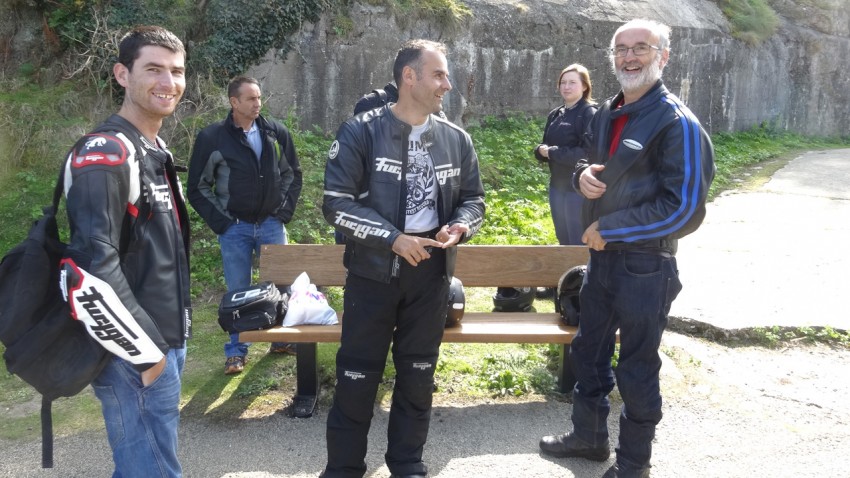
(640,49)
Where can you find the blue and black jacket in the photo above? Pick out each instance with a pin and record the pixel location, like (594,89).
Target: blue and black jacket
(658,178)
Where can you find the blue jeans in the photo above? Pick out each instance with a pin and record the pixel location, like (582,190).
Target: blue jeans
(630,291)
(141,422)
(240,243)
(565,205)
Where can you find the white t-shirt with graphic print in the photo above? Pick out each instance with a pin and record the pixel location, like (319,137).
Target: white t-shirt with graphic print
(422,186)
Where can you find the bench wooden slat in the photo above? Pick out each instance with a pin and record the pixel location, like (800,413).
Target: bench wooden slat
(477,266)
(279,263)
(516,266)
(483,327)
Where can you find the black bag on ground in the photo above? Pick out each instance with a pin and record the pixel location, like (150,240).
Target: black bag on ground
(45,346)
(252,308)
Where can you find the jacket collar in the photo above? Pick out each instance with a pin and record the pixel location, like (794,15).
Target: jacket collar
(650,97)
(261,122)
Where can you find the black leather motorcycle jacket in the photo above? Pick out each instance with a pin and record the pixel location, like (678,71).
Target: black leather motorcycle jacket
(658,178)
(126,268)
(365,187)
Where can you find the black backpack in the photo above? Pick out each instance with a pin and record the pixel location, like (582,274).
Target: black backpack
(45,346)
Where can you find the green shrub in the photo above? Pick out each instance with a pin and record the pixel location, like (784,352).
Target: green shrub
(241,32)
(752,21)
(517,372)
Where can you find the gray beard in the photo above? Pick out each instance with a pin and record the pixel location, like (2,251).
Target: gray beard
(647,77)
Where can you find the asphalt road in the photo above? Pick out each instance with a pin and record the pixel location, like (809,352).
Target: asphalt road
(771,256)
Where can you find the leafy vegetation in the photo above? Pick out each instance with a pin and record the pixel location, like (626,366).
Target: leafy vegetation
(752,21)
(516,184)
(223,37)
(774,336)
(228,45)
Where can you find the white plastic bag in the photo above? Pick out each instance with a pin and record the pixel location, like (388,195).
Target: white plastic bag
(307,305)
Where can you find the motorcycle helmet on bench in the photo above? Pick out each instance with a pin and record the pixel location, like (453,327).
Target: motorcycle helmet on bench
(457,303)
(567,300)
(514,299)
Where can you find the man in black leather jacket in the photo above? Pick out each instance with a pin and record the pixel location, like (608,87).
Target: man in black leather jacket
(646,180)
(126,269)
(244,181)
(403,186)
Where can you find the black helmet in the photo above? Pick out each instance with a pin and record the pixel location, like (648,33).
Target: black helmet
(514,299)
(568,290)
(457,303)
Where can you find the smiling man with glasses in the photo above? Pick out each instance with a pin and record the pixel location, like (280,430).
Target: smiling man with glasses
(639,50)
(645,182)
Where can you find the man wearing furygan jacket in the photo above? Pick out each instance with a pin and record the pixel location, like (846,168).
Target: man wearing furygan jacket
(125,272)
(244,181)
(403,185)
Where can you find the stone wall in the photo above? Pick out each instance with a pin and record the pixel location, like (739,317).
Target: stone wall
(507,55)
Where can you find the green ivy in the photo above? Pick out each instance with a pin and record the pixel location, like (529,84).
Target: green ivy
(223,37)
(241,32)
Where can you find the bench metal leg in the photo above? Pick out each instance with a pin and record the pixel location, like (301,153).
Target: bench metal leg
(307,391)
(566,377)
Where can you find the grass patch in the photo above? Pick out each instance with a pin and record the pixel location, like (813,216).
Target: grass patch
(751,21)
(775,336)
(448,13)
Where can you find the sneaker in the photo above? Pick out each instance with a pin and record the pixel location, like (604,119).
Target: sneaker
(569,445)
(288,349)
(234,365)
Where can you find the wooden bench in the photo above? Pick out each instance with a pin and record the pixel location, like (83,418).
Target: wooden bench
(477,266)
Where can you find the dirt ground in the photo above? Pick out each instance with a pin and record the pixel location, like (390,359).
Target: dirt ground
(751,411)
(729,412)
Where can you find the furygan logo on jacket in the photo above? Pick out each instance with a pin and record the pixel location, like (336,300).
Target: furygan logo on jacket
(106,318)
(107,323)
(445,172)
(360,227)
(354,375)
(95,142)
(387,165)
(104,150)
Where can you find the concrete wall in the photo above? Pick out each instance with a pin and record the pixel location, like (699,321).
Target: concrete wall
(507,56)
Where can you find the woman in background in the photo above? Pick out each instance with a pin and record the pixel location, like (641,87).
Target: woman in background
(562,148)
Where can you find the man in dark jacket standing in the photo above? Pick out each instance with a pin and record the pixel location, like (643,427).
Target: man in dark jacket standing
(403,185)
(244,181)
(646,180)
(126,270)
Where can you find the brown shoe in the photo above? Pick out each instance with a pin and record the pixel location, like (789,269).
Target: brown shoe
(280,348)
(234,365)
